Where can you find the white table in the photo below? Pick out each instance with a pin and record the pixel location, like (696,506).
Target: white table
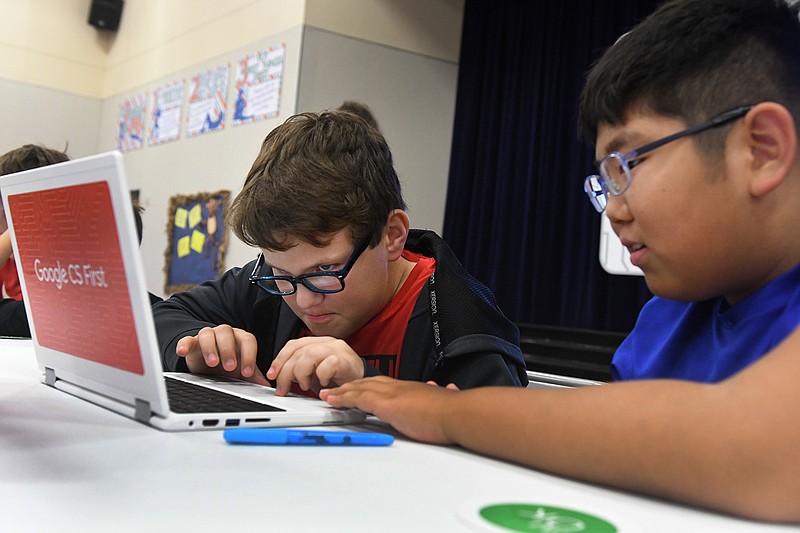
(67,465)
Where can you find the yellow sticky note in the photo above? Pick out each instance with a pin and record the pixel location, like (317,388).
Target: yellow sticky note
(198,240)
(195,216)
(180,217)
(183,246)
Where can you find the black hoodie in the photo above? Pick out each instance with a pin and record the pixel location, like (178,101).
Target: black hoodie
(456,333)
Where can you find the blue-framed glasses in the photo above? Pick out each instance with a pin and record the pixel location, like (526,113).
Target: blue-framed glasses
(326,282)
(615,169)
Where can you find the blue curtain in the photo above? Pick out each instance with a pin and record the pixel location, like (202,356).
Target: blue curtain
(516,213)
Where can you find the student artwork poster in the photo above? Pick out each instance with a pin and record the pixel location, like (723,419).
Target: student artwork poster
(258,85)
(207,101)
(130,123)
(166,113)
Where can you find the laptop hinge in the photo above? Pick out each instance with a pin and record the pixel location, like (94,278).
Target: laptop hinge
(50,376)
(142,413)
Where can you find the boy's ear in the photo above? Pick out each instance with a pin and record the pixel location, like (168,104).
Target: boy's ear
(396,233)
(772,140)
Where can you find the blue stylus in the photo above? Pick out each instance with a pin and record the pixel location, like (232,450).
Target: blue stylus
(308,437)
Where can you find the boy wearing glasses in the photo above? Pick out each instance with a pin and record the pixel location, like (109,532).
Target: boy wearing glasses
(694,117)
(342,288)
(690,317)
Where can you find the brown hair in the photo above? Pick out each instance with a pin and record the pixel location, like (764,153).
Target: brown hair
(362,110)
(28,157)
(687,60)
(317,174)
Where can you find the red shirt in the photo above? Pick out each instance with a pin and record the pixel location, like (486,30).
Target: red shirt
(380,341)
(9,280)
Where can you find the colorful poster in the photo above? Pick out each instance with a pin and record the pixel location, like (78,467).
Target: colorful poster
(130,121)
(258,85)
(165,124)
(208,94)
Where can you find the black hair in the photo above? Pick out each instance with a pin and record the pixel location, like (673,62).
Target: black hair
(693,59)
(137,218)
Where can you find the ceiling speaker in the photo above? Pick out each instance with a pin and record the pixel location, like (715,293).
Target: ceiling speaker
(106,14)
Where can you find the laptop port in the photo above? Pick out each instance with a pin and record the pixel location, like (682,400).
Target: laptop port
(210,423)
(232,422)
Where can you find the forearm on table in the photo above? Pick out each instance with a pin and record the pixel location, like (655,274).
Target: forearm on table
(678,440)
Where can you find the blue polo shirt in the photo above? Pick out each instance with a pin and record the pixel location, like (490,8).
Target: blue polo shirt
(708,341)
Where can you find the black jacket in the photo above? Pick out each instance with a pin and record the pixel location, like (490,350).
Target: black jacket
(456,333)
(13,319)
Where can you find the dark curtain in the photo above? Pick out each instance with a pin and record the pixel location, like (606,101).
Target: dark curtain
(516,213)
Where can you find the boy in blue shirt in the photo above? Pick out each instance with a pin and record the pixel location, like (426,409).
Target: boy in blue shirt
(694,118)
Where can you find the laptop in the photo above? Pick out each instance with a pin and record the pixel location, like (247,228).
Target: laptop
(83,284)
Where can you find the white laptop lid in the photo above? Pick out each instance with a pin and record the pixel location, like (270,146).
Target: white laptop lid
(78,293)
(83,283)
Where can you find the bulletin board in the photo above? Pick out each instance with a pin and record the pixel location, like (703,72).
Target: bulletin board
(197,238)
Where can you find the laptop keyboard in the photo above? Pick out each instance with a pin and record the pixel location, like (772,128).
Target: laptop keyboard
(187,397)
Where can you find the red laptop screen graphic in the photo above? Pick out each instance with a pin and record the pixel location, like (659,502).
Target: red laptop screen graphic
(70,257)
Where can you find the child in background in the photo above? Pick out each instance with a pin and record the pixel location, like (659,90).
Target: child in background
(13,320)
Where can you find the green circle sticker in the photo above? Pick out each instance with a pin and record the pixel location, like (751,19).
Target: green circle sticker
(530,517)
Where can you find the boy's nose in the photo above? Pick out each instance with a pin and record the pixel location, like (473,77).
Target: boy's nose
(305,297)
(617,209)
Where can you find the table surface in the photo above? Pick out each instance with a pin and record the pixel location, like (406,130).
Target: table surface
(66,464)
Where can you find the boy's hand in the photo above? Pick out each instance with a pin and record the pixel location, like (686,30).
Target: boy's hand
(314,362)
(222,350)
(413,408)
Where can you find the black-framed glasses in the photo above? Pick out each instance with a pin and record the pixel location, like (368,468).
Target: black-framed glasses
(321,282)
(615,169)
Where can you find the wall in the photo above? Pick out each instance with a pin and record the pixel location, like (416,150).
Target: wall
(40,115)
(424,27)
(49,43)
(412,98)
(157,37)
(205,163)
(62,81)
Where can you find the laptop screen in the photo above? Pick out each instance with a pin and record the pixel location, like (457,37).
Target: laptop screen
(69,254)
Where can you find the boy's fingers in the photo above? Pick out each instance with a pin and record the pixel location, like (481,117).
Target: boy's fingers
(248,352)
(207,341)
(226,346)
